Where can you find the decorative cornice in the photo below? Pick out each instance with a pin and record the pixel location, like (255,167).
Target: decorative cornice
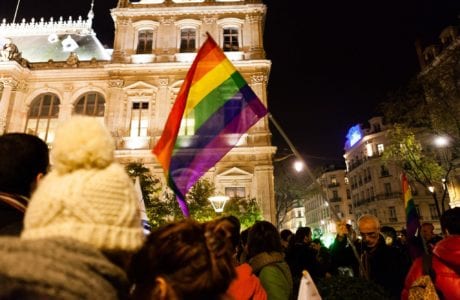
(196,9)
(44,28)
(116,83)
(163,81)
(9,82)
(258,78)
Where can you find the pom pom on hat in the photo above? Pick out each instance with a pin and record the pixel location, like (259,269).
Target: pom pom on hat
(87,196)
(82,143)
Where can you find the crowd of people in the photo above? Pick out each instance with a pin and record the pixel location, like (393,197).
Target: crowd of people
(73,231)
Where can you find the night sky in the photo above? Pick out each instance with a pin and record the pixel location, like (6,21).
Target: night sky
(332,61)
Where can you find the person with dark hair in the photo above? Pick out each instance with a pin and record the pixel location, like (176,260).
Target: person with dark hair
(391,240)
(266,258)
(300,256)
(445,261)
(246,285)
(185,260)
(242,256)
(24,160)
(286,236)
(428,235)
(323,258)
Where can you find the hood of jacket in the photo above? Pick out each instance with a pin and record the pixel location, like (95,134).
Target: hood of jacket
(448,250)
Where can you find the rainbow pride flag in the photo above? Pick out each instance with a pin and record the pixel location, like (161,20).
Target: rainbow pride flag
(213,109)
(412,218)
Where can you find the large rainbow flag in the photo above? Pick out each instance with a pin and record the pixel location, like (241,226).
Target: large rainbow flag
(213,109)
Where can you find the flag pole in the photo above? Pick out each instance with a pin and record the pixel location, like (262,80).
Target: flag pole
(16,11)
(314,182)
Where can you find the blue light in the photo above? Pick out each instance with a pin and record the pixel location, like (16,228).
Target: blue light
(354,135)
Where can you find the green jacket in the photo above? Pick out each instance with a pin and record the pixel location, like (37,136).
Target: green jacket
(274,274)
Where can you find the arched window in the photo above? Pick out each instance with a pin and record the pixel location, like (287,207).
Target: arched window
(43,116)
(90,104)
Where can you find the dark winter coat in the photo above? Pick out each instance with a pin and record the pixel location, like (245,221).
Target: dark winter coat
(12,209)
(385,265)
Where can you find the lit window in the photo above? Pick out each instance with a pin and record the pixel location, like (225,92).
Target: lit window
(139,119)
(90,104)
(187,126)
(380,149)
(144,42)
(188,40)
(231,39)
(333,180)
(369,151)
(43,116)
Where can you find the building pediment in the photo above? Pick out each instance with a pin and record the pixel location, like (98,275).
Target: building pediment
(235,172)
(140,88)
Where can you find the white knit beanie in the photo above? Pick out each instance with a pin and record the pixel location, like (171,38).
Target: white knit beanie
(87,196)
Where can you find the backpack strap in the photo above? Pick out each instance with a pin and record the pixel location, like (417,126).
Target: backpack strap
(427,266)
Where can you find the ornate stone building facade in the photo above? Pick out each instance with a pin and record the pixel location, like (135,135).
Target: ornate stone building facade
(61,69)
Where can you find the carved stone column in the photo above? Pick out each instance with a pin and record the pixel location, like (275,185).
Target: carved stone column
(119,44)
(265,192)
(255,25)
(162,107)
(9,84)
(115,107)
(66,107)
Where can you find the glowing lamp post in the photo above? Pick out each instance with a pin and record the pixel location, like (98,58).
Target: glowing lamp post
(441,141)
(298,166)
(218,202)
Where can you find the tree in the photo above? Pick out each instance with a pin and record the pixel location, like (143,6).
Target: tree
(246,210)
(418,163)
(156,210)
(289,186)
(429,103)
(161,205)
(198,203)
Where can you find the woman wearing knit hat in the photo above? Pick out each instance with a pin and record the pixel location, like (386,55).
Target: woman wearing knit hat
(82,223)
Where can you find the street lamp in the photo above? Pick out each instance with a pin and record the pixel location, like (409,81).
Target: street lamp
(218,202)
(441,141)
(298,166)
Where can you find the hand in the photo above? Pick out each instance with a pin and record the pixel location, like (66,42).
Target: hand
(342,229)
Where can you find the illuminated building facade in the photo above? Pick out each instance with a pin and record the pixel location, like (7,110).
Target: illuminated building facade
(60,69)
(335,189)
(375,187)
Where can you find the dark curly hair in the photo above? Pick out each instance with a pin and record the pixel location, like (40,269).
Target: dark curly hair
(194,259)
